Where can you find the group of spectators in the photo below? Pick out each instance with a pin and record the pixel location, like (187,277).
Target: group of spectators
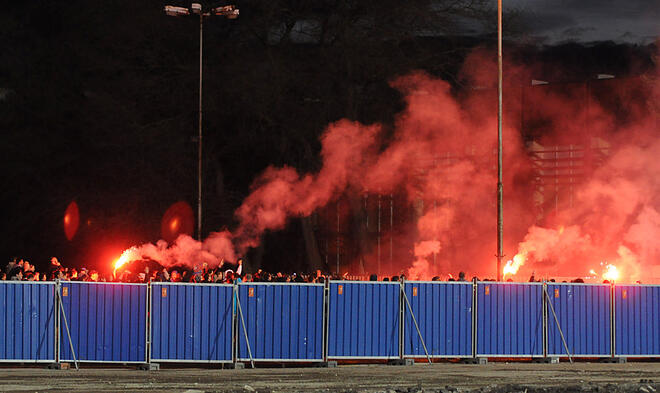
(22,270)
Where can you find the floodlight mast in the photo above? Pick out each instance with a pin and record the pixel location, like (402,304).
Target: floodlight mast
(229,12)
(500,187)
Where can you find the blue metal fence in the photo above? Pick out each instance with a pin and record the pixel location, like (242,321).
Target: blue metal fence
(637,320)
(283,321)
(107,322)
(27,321)
(509,319)
(364,320)
(191,322)
(287,321)
(443,311)
(584,314)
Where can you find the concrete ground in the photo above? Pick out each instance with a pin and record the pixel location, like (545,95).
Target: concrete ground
(439,377)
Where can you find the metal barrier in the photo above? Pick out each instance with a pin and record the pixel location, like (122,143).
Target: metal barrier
(107,322)
(443,313)
(584,314)
(364,320)
(510,320)
(191,322)
(280,322)
(637,320)
(27,321)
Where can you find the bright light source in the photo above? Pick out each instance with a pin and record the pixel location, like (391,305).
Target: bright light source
(537,82)
(612,273)
(196,8)
(225,8)
(604,76)
(176,11)
(230,11)
(513,265)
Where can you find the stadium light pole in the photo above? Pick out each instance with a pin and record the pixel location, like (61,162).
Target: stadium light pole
(500,188)
(229,12)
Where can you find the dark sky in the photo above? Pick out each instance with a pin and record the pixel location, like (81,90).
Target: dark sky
(554,21)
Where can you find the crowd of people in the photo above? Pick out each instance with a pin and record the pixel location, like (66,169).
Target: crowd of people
(21,270)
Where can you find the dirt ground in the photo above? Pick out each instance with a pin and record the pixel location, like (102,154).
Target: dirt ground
(442,377)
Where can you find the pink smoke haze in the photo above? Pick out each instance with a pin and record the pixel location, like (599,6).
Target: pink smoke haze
(281,193)
(614,218)
(187,251)
(442,157)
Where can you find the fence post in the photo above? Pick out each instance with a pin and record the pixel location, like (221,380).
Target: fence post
(56,313)
(326,318)
(544,303)
(66,325)
(474,318)
(401,324)
(561,333)
(412,315)
(240,312)
(148,323)
(612,318)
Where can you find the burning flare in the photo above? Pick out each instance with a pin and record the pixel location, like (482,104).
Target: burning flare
(127,256)
(611,273)
(512,266)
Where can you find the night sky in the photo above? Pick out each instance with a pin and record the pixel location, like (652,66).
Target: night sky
(552,22)
(98,102)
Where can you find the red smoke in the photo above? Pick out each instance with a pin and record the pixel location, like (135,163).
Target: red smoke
(280,193)
(185,250)
(614,217)
(442,157)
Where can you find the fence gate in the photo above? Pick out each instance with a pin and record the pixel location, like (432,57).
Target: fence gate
(509,319)
(27,321)
(191,322)
(364,320)
(282,322)
(443,312)
(107,322)
(584,315)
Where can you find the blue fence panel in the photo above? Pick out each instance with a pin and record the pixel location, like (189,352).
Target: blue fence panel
(637,320)
(443,311)
(364,321)
(509,319)
(107,321)
(191,322)
(584,314)
(284,321)
(27,321)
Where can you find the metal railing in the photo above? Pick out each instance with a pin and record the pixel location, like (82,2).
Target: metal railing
(419,315)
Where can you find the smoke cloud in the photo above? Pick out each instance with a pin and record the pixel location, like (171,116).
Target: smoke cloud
(442,157)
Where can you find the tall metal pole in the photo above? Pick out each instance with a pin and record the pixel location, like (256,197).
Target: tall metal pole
(199,139)
(500,190)
(337,271)
(230,12)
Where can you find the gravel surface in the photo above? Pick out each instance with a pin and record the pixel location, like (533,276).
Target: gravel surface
(442,377)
